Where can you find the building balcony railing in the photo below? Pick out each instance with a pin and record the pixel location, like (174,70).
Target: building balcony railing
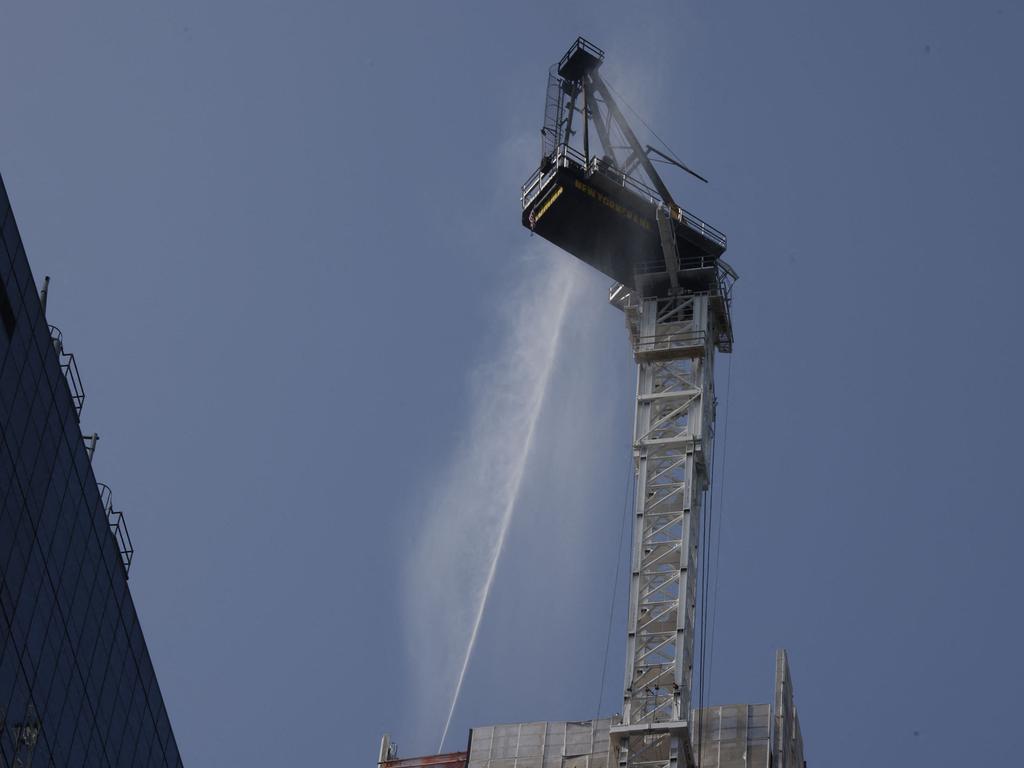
(118,527)
(69,368)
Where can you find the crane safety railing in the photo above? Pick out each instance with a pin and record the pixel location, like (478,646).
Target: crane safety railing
(668,342)
(566,156)
(720,295)
(69,368)
(551,134)
(580,44)
(118,527)
(721,289)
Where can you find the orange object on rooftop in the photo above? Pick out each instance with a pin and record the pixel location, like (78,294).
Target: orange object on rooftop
(449,760)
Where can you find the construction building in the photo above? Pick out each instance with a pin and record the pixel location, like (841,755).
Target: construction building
(77,686)
(598,196)
(734,736)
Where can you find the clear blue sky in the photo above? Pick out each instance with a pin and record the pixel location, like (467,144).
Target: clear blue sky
(278,233)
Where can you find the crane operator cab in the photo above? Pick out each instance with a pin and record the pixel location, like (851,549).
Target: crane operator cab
(610,208)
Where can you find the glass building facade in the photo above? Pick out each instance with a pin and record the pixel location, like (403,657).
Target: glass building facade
(77,686)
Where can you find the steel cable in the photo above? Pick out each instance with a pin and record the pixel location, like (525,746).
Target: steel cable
(630,493)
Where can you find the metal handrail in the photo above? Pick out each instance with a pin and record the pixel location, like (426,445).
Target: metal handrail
(584,44)
(566,156)
(726,277)
(69,368)
(684,338)
(118,526)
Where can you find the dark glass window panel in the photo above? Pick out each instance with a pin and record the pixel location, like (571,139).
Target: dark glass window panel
(5,254)
(78,611)
(143,745)
(5,394)
(41,601)
(105,710)
(95,753)
(14,281)
(68,416)
(24,276)
(17,552)
(17,421)
(9,518)
(115,734)
(69,714)
(9,665)
(41,754)
(17,703)
(13,576)
(119,660)
(50,519)
(37,426)
(7,608)
(163,727)
(37,640)
(100,657)
(154,755)
(80,740)
(76,560)
(76,702)
(88,640)
(64,670)
(132,731)
(7,317)
(84,473)
(60,543)
(6,467)
(9,232)
(171,753)
(20,272)
(119,586)
(45,670)
(18,350)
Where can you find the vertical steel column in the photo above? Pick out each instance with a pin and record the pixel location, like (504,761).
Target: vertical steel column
(673,344)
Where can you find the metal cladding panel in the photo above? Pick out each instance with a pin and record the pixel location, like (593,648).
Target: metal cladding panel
(450,760)
(613,231)
(734,736)
(788,742)
(582,744)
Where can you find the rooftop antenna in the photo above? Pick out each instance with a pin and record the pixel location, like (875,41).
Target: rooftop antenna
(90,444)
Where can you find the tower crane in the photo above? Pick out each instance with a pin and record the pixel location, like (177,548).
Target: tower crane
(597,195)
